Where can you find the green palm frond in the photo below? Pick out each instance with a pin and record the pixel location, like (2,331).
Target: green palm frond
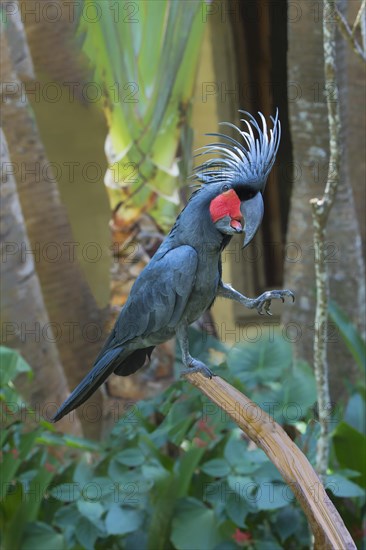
(145,58)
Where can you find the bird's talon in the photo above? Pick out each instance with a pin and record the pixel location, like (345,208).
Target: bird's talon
(267,307)
(198,366)
(264,301)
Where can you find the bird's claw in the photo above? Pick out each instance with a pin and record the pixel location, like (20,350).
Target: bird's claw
(264,301)
(198,366)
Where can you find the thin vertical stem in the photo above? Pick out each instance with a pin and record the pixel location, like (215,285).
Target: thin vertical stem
(320,211)
(320,345)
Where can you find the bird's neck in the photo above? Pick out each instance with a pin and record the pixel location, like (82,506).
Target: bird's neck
(194,227)
(198,233)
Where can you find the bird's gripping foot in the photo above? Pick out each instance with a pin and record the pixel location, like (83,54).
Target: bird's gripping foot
(263,303)
(194,365)
(198,366)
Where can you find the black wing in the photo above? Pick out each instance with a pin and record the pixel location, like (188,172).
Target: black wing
(158,297)
(156,304)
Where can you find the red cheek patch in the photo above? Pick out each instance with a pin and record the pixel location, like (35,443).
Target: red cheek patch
(226,204)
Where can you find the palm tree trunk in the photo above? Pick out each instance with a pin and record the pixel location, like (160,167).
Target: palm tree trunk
(69,302)
(25,322)
(309,130)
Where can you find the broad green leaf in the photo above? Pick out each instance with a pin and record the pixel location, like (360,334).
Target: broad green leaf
(12,364)
(131,457)
(132,487)
(217,467)
(87,532)
(236,508)
(90,510)
(66,492)
(246,467)
(235,451)
(350,449)
(258,456)
(194,526)
(299,392)
(350,335)
(268,472)
(287,521)
(260,362)
(66,516)
(355,413)
(101,489)
(242,460)
(118,472)
(214,492)
(41,536)
(83,472)
(120,521)
(154,470)
(343,487)
(270,496)
(242,485)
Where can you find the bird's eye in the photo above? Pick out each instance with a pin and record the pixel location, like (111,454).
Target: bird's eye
(225,187)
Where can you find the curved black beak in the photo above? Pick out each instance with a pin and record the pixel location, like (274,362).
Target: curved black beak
(252,211)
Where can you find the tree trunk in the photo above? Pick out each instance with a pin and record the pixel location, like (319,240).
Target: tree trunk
(68,299)
(309,129)
(25,323)
(356,138)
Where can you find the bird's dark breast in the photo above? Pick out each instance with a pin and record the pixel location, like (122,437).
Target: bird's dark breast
(204,290)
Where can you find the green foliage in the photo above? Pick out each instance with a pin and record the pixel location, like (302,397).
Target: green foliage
(28,464)
(350,432)
(175,471)
(350,335)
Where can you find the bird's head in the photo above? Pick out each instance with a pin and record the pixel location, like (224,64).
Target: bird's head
(235,176)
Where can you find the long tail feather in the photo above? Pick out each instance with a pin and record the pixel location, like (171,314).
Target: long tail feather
(103,368)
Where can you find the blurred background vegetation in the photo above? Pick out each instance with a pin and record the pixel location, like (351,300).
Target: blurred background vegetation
(103,103)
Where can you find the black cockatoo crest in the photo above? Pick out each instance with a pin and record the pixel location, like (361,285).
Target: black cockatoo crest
(247,163)
(244,168)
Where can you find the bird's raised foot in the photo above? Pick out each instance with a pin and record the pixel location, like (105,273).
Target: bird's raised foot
(263,302)
(198,366)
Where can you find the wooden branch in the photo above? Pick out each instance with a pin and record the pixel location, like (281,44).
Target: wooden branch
(359,17)
(325,522)
(349,34)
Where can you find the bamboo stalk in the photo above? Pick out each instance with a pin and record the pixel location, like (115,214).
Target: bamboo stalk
(325,522)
